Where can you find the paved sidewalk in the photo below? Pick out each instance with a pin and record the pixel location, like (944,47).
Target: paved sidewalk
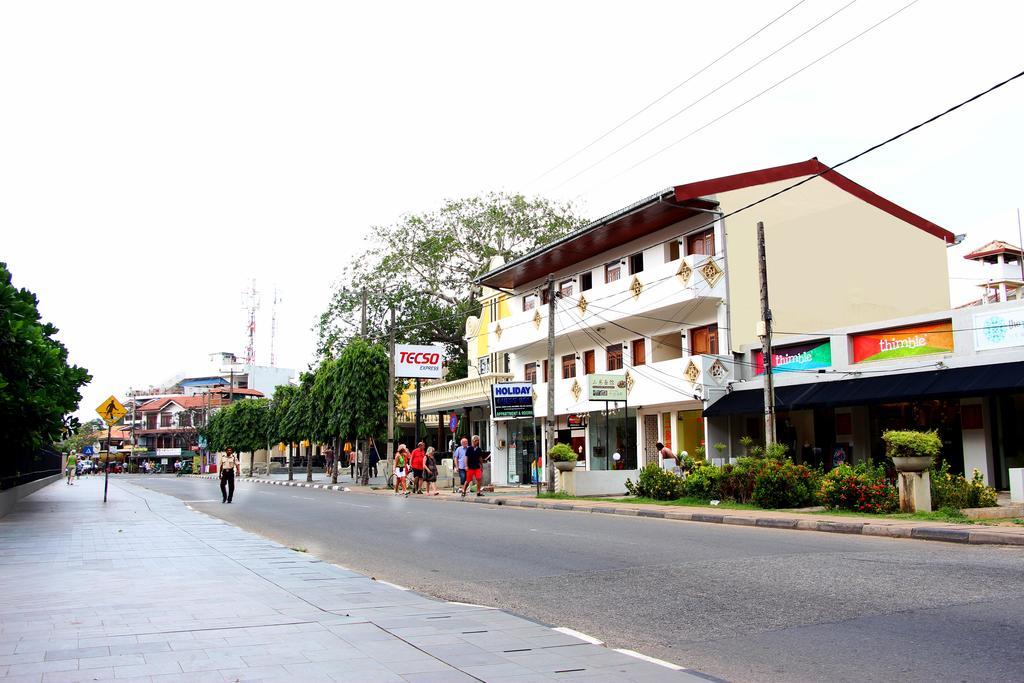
(142,588)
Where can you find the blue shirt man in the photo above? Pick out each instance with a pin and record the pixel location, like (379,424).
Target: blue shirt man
(460,460)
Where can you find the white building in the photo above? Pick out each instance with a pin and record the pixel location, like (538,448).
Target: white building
(664,295)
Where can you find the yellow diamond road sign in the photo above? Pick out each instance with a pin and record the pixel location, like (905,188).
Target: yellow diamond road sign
(111,410)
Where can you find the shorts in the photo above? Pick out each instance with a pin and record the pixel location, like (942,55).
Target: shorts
(462,476)
(400,473)
(475,474)
(417,473)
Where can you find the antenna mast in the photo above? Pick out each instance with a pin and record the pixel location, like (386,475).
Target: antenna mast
(251,303)
(273,329)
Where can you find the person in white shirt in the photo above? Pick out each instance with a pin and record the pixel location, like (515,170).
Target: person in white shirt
(228,465)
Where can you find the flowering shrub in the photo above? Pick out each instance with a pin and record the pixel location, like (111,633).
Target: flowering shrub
(782,484)
(704,483)
(657,483)
(862,488)
(955,491)
(737,482)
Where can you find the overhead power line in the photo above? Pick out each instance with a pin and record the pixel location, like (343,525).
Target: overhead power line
(797,184)
(754,97)
(671,90)
(703,97)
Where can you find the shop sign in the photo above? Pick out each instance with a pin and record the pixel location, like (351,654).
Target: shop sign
(607,388)
(795,357)
(422,362)
(511,400)
(998,330)
(169,452)
(903,342)
(577,420)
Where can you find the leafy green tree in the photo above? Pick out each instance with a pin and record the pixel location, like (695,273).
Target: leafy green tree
(85,434)
(300,419)
(281,428)
(329,401)
(38,387)
(363,367)
(242,426)
(424,265)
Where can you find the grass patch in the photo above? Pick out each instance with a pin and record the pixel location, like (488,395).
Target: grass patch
(683,502)
(945,515)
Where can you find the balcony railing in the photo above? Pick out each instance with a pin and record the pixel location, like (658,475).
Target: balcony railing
(459,393)
(658,287)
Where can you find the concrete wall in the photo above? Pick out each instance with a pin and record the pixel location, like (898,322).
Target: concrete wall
(10,497)
(833,260)
(596,482)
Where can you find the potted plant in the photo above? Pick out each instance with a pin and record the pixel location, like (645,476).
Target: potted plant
(563,457)
(911,451)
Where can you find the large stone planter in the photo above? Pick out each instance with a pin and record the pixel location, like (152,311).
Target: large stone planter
(565,466)
(915,484)
(912,463)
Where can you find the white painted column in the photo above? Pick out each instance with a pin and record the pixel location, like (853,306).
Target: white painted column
(977,444)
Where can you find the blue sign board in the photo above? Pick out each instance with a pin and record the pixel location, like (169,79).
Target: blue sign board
(88,450)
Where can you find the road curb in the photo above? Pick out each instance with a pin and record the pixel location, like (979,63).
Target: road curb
(864,528)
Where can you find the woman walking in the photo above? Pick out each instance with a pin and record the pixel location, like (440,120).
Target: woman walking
(401,462)
(430,470)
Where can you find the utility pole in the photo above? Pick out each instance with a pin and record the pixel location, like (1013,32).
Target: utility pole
(364,452)
(363,325)
(766,341)
(549,433)
(1020,243)
(391,394)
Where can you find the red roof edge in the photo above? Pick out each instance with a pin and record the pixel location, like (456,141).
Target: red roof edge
(739,181)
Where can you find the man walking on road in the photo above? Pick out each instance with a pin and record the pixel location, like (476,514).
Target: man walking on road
(474,467)
(416,464)
(228,465)
(460,460)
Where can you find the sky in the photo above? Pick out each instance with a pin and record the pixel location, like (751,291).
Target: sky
(156,157)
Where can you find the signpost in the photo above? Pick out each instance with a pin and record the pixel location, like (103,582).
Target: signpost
(453,423)
(111,411)
(418,362)
(514,400)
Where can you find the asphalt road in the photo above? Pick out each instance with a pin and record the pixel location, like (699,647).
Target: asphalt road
(739,603)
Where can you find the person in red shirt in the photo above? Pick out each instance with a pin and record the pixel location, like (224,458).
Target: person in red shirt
(416,459)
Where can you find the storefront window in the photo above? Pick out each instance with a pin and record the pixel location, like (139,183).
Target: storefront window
(522,452)
(690,430)
(611,435)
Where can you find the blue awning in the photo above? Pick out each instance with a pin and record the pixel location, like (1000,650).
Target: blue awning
(979,380)
(203,382)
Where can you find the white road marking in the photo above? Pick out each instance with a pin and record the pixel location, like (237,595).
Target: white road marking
(212,500)
(576,634)
(393,585)
(652,660)
(470,604)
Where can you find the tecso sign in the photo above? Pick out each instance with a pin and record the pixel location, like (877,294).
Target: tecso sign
(511,400)
(607,388)
(424,362)
(796,357)
(903,342)
(998,330)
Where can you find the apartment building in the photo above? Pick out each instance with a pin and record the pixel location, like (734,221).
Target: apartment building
(664,295)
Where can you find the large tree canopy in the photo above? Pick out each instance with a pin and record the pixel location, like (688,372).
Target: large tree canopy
(38,387)
(424,266)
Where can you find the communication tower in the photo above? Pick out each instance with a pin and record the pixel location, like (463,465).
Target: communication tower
(251,303)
